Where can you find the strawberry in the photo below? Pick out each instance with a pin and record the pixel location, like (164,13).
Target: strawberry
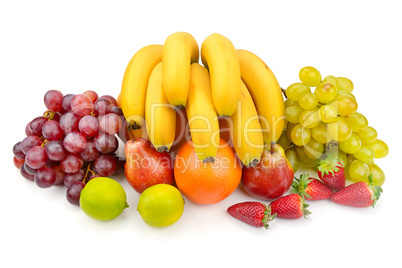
(311,188)
(359,194)
(331,172)
(253,213)
(289,207)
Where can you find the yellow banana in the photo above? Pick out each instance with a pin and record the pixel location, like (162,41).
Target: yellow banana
(266,93)
(135,81)
(159,114)
(219,56)
(246,133)
(179,51)
(202,116)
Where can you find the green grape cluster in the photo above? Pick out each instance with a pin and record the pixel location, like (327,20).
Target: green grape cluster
(322,118)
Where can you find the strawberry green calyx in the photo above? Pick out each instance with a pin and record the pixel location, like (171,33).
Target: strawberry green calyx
(329,165)
(376,190)
(267,216)
(300,185)
(305,206)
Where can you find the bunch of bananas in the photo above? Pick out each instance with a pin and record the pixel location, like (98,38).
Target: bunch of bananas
(232,83)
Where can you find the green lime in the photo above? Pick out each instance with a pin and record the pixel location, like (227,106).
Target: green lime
(161,205)
(103,199)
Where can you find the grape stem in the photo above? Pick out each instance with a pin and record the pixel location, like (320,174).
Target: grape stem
(44,143)
(88,169)
(284,92)
(49,115)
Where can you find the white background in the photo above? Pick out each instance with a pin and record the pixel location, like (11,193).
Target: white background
(85,45)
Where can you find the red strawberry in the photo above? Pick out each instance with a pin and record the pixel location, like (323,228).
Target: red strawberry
(331,172)
(310,188)
(289,207)
(253,213)
(360,194)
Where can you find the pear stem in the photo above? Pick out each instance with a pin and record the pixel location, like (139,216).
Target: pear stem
(272,147)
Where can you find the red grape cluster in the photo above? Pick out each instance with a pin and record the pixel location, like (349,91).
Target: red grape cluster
(73,142)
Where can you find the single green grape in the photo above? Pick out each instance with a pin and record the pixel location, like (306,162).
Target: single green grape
(289,129)
(349,159)
(292,158)
(331,79)
(367,135)
(328,113)
(378,174)
(308,101)
(352,145)
(310,118)
(358,171)
(340,129)
(303,159)
(300,135)
(346,105)
(292,114)
(380,148)
(342,92)
(320,133)
(310,76)
(357,121)
(345,84)
(284,140)
(313,149)
(289,102)
(325,92)
(295,90)
(365,153)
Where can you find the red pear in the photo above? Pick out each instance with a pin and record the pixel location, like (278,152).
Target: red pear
(145,166)
(272,177)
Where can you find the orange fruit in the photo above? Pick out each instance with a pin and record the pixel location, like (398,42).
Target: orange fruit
(207,183)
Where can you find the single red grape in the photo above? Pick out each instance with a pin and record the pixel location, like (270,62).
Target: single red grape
(55,150)
(52,131)
(25,174)
(81,105)
(89,153)
(89,125)
(36,157)
(106,143)
(53,100)
(71,178)
(45,177)
(60,174)
(18,162)
(102,107)
(74,142)
(105,165)
(29,142)
(110,123)
(92,95)
(66,103)
(73,193)
(69,122)
(18,153)
(71,163)
(36,125)
(110,98)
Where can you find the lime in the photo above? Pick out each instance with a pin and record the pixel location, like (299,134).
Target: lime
(103,199)
(161,205)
